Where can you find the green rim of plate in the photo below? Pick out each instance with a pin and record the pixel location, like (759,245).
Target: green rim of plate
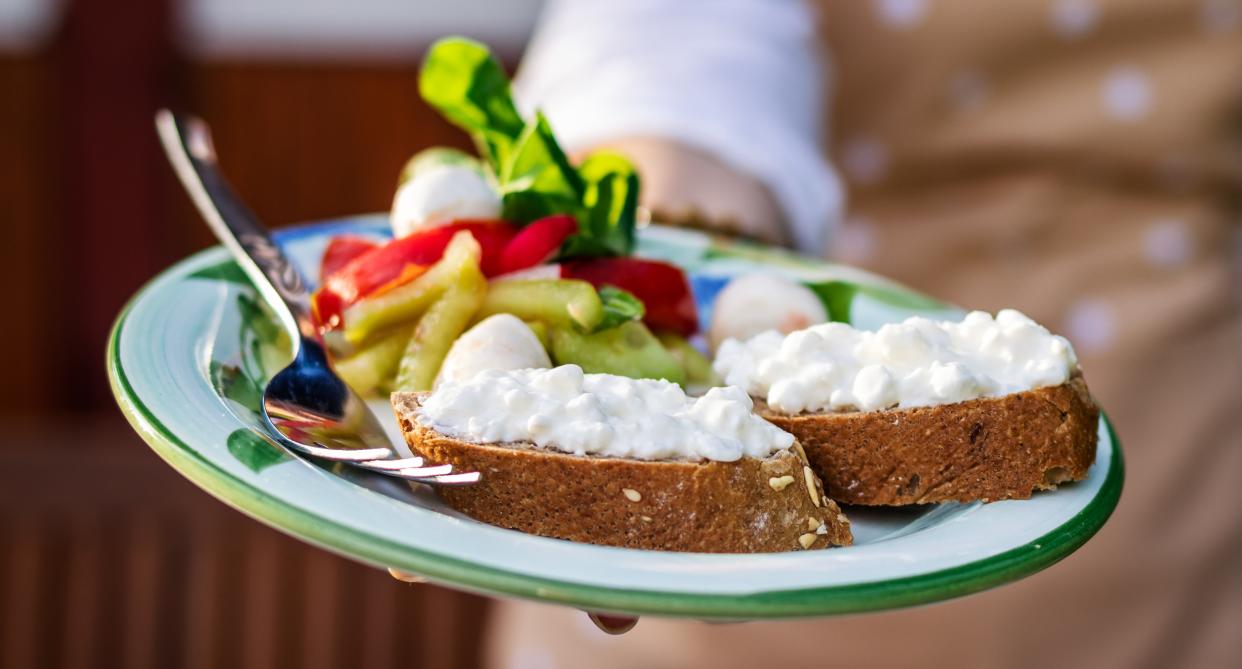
(349,542)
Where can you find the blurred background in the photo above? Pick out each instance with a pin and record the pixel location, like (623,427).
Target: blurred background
(107,557)
(1094,144)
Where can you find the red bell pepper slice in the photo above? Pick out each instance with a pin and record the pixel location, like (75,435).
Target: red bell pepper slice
(537,243)
(343,249)
(401,260)
(662,287)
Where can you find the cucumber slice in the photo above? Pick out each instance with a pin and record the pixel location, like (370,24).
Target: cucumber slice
(373,368)
(561,303)
(406,302)
(438,329)
(626,350)
(698,368)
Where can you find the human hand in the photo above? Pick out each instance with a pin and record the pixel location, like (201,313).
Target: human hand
(685,186)
(612,624)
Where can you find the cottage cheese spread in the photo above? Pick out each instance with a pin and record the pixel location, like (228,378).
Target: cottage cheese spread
(919,362)
(601,414)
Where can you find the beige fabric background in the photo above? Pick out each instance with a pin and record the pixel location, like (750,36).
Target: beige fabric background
(1080,160)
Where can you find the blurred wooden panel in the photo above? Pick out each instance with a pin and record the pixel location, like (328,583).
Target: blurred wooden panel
(115,561)
(304,142)
(112,67)
(33,280)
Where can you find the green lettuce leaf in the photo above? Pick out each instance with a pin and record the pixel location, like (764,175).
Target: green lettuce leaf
(610,208)
(462,80)
(537,178)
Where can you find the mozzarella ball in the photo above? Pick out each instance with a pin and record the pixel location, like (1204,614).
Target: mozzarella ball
(755,303)
(442,194)
(501,342)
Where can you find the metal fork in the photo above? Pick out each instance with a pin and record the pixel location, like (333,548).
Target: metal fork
(312,410)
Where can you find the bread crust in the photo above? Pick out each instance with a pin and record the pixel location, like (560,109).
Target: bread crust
(708,507)
(985,449)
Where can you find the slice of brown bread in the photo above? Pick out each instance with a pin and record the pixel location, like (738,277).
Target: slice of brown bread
(985,449)
(748,506)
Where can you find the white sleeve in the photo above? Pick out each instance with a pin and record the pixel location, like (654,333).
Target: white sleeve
(738,78)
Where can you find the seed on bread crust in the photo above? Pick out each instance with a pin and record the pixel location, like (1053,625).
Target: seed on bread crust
(797,449)
(807,540)
(810,485)
(779,483)
(632,494)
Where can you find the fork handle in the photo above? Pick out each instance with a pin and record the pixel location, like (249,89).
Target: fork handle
(187,141)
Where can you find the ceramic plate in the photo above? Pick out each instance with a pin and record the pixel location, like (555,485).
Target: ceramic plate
(191,351)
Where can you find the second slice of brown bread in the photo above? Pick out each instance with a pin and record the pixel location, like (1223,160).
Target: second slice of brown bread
(747,506)
(986,449)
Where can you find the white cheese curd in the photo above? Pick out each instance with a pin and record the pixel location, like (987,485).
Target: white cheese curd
(919,362)
(601,414)
(440,195)
(755,303)
(497,342)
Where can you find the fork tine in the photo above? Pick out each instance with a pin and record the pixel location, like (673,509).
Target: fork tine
(340,454)
(374,459)
(415,473)
(460,478)
(402,463)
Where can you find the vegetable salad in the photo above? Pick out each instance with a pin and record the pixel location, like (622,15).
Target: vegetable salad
(520,230)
